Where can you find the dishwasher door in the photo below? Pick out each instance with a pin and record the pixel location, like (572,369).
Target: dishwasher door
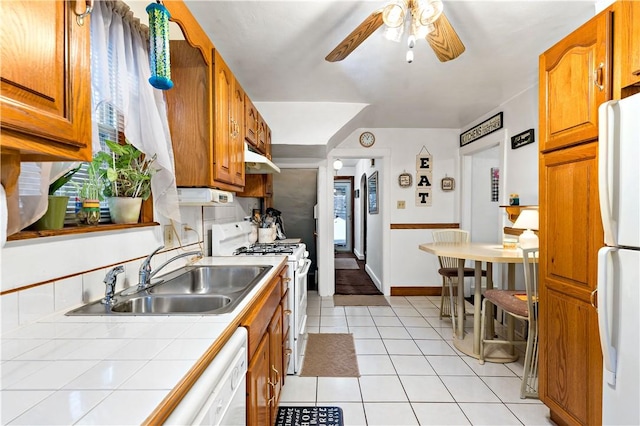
(218,397)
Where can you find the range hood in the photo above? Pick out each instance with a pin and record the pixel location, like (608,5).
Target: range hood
(256,164)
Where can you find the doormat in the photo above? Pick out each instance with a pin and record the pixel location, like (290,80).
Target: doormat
(330,355)
(298,416)
(359,300)
(346,263)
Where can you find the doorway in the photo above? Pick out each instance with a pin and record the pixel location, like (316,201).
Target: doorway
(343,214)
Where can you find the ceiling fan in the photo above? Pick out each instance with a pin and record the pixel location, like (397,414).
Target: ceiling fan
(423,18)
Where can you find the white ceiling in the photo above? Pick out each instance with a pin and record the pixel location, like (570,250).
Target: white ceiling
(276,49)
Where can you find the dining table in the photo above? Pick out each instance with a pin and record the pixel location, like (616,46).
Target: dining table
(489,253)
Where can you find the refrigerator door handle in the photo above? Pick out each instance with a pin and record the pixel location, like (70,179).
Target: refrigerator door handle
(608,351)
(607,113)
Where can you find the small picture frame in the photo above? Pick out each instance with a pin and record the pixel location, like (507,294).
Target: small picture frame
(447,184)
(405,180)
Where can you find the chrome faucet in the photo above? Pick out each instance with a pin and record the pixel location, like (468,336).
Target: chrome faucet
(110,285)
(145,274)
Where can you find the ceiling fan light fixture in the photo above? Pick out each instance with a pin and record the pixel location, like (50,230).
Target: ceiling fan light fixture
(394,34)
(428,11)
(393,13)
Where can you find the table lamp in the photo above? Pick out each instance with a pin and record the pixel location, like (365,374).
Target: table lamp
(528,220)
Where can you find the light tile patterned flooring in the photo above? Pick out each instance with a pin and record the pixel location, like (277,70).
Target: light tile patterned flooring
(410,372)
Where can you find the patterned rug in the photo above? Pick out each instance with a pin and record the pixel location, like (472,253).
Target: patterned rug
(295,416)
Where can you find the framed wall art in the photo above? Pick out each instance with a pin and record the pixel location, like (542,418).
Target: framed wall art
(372,192)
(447,184)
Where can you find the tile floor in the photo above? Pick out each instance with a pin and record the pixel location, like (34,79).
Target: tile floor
(410,372)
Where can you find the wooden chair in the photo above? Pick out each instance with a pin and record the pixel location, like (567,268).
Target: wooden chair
(449,271)
(523,306)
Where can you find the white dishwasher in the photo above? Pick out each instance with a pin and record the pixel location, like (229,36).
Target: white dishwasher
(218,397)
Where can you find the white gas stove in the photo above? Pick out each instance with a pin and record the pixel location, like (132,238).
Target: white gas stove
(233,239)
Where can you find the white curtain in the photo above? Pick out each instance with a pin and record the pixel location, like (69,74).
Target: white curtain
(125,85)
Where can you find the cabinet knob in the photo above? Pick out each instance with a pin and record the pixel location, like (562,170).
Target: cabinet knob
(288,311)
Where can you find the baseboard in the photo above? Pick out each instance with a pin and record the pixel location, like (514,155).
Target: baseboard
(358,255)
(416,291)
(373,277)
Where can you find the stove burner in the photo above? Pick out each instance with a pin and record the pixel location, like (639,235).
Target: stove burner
(266,248)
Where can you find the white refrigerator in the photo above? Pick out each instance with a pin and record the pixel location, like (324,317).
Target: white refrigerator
(619,259)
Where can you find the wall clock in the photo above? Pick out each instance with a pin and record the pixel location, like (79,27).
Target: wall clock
(404,180)
(367,139)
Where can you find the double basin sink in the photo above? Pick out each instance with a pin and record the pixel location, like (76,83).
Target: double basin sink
(190,290)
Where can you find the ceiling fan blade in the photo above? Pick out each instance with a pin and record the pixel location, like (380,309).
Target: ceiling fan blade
(444,40)
(357,36)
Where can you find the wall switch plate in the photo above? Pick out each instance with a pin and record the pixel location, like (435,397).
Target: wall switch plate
(168,236)
(401,204)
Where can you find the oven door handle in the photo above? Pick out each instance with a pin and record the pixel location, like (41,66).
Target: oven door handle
(305,268)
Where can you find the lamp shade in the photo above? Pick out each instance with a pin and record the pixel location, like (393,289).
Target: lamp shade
(337,164)
(528,219)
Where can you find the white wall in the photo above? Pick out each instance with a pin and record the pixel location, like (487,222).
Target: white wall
(402,263)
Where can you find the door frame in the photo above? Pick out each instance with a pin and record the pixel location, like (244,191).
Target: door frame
(350,234)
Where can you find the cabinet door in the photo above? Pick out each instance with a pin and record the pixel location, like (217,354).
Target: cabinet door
(570,370)
(250,122)
(628,42)
(237,139)
(275,359)
(262,135)
(190,97)
(45,82)
(224,128)
(574,81)
(259,395)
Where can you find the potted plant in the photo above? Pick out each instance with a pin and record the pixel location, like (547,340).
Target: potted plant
(126,175)
(57,204)
(91,194)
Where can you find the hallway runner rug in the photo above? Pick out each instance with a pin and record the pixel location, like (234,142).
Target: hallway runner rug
(312,416)
(346,263)
(330,355)
(359,300)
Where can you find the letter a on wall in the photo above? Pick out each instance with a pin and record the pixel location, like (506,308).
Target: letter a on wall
(424,178)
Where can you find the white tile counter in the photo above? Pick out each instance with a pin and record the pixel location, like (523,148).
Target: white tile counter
(106,370)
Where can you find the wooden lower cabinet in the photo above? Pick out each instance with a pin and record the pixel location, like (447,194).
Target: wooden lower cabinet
(258,388)
(570,365)
(276,372)
(267,367)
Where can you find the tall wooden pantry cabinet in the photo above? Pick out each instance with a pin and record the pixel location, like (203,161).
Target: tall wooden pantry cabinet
(576,75)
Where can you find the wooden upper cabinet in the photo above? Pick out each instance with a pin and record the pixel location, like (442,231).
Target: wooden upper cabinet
(262,135)
(228,156)
(575,78)
(250,122)
(45,87)
(627,42)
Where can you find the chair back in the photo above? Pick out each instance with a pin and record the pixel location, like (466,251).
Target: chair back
(530,259)
(450,237)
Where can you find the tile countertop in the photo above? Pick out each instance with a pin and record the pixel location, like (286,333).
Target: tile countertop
(106,369)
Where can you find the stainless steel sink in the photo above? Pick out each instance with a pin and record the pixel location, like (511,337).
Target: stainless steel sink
(208,280)
(190,290)
(177,304)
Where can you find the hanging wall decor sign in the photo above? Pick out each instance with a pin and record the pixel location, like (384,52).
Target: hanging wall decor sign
(447,184)
(424,178)
(522,139)
(483,129)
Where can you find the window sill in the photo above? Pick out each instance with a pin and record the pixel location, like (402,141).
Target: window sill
(75,230)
